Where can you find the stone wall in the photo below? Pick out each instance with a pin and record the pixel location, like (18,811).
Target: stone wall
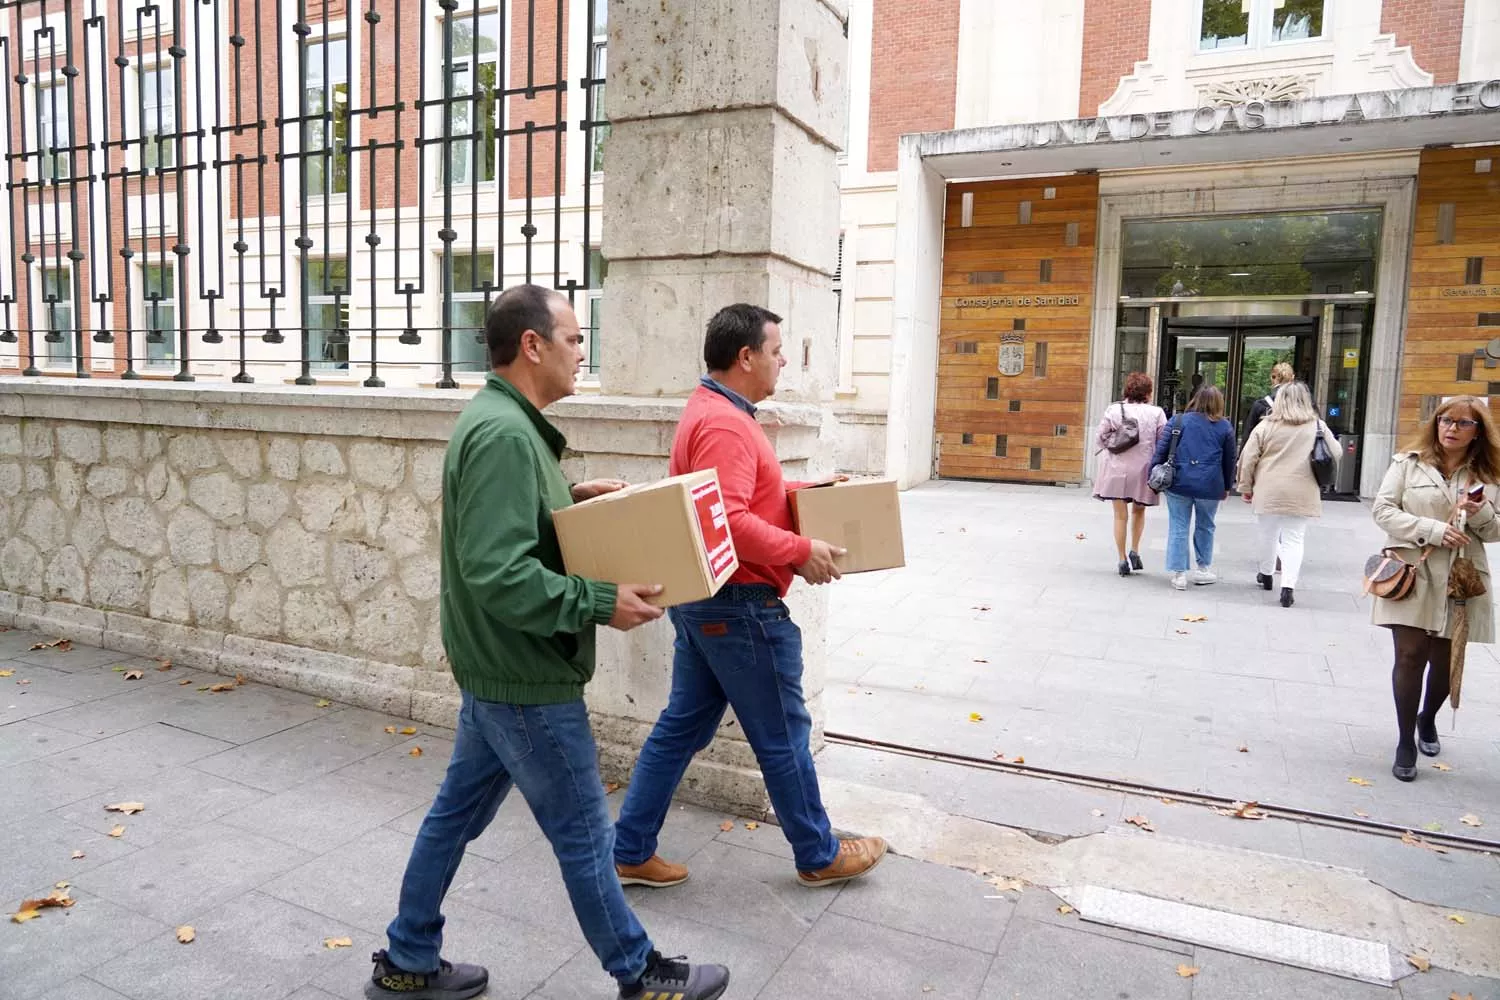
(291,535)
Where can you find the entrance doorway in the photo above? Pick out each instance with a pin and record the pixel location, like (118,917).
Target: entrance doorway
(1234,354)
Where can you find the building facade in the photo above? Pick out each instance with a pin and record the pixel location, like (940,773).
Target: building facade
(1036,200)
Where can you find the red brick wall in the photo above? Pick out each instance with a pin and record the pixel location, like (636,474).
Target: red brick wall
(1433,28)
(539,36)
(1116,35)
(913,73)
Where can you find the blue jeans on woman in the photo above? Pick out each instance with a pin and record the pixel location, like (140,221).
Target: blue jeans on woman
(548,752)
(739,648)
(1180,511)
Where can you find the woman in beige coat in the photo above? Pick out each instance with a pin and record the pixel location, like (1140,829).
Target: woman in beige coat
(1424,489)
(1276,476)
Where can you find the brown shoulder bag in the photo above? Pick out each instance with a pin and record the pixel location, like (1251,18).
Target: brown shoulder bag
(1390,577)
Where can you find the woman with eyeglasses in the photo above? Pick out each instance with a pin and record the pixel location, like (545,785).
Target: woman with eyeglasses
(1448,471)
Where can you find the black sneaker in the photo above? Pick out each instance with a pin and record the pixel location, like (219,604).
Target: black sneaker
(676,979)
(449,982)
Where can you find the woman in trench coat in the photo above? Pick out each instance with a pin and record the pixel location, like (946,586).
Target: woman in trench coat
(1424,488)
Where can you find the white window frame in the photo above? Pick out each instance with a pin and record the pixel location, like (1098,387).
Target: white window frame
(41,312)
(345,307)
(473,61)
(1258,38)
(169,301)
(337,31)
(33,47)
(593,297)
(47,84)
(598,56)
(141,108)
(465,296)
(163,20)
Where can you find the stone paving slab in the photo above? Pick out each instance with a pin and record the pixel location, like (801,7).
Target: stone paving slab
(271,832)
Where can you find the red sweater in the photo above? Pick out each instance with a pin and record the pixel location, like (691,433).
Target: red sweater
(716,434)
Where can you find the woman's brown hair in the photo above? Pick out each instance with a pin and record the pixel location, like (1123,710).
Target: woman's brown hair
(1208,401)
(1138,387)
(1483,459)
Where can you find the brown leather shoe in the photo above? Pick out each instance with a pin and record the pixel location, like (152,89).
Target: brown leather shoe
(856,858)
(654,872)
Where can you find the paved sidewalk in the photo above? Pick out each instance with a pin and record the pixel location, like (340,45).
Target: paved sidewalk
(274,821)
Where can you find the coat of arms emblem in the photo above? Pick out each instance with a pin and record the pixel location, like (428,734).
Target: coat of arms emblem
(1012,354)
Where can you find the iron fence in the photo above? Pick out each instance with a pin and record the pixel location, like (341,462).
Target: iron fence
(314,188)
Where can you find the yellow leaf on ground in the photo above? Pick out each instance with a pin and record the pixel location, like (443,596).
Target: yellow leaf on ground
(1419,962)
(391,730)
(1442,767)
(1065,909)
(1454,996)
(1412,840)
(726,826)
(1361,815)
(118,831)
(408,730)
(1019,760)
(219,688)
(1008,884)
(78,855)
(128,808)
(134,675)
(415,752)
(1243,810)
(1142,822)
(975,717)
(1471,820)
(1195,618)
(322,703)
(1362,782)
(185,682)
(6,673)
(186,934)
(752,825)
(22,916)
(1188,971)
(1458,918)
(58,898)
(331,943)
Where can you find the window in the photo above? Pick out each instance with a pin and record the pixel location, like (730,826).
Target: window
(57,315)
(325,142)
(54,131)
(159,315)
(1238,24)
(473,113)
(158,111)
(598,271)
(148,17)
(473,282)
(598,61)
(328,313)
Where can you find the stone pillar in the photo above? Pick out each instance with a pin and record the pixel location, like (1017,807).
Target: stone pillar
(721,185)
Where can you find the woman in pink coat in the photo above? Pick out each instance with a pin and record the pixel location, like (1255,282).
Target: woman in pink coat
(1121,476)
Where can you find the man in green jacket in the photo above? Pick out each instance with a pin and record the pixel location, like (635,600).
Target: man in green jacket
(519,634)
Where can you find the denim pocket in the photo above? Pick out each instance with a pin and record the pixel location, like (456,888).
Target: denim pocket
(726,642)
(510,724)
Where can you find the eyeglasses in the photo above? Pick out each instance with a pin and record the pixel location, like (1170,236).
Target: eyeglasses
(1463,425)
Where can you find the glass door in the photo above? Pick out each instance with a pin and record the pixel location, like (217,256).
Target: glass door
(1191,359)
(1235,354)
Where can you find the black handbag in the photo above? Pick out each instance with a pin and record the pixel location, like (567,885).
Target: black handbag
(1321,459)
(1164,475)
(1122,436)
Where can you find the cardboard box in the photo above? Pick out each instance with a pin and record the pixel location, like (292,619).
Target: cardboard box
(674,532)
(862,516)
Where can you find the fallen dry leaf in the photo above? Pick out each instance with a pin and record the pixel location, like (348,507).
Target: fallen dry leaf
(220,688)
(752,825)
(61,645)
(1005,884)
(1457,918)
(1244,749)
(981,661)
(1019,760)
(1243,810)
(1188,971)
(128,808)
(239,680)
(999,755)
(415,752)
(134,675)
(322,703)
(1361,815)
(391,730)
(610,787)
(1454,996)
(1433,827)
(78,855)
(117,832)
(1471,820)
(1194,619)
(58,898)
(980,607)
(1080,536)
(1065,909)
(726,826)
(408,730)
(184,682)
(186,934)
(1362,782)
(21,916)
(331,943)
(62,885)
(1412,840)
(166,664)
(1419,962)
(119,669)
(23,682)
(6,673)
(1142,822)
(1442,767)
(975,717)
(1183,631)
(1168,802)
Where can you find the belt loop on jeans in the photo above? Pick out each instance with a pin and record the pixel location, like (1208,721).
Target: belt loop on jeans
(749,592)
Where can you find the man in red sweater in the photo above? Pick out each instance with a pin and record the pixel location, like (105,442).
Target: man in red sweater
(741,647)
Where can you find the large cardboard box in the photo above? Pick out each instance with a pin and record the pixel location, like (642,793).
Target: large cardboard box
(674,532)
(862,516)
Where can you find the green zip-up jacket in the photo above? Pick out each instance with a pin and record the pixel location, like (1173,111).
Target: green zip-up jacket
(517,628)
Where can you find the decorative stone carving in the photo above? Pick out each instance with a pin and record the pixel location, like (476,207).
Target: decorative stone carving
(1224,93)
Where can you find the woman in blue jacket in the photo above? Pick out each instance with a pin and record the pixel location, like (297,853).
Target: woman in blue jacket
(1205,474)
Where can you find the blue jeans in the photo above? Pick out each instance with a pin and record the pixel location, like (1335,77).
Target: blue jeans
(548,752)
(1181,510)
(740,648)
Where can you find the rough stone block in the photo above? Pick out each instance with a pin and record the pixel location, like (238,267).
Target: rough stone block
(406,528)
(267,502)
(284,458)
(10,438)
(323,504)
(132,524)
(66,577)
(219,495)
(80,443)
(322,456)
(67,485)
(208,596)
(297,556)
(11,479)
(36,436)
(88,529)
(239,549)
(387,626)
(44,524)
(380,465)
(354,568)
(105,481)
(242,453)
(420,576)
(123,444)
(427,472)
(315,618)
(117,581)
(256,607)
(192,452)
(21,567)
(190,537)
(169,595)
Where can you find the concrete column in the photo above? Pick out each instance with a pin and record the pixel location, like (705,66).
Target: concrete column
(721,185)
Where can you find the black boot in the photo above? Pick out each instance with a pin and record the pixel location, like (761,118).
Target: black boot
(674,977)
(449,982)
(1263,580)
(1286,597)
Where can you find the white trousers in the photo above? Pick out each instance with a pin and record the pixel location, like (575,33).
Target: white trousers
(1282,538)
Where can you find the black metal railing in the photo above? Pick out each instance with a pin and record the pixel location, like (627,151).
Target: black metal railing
(306,189)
